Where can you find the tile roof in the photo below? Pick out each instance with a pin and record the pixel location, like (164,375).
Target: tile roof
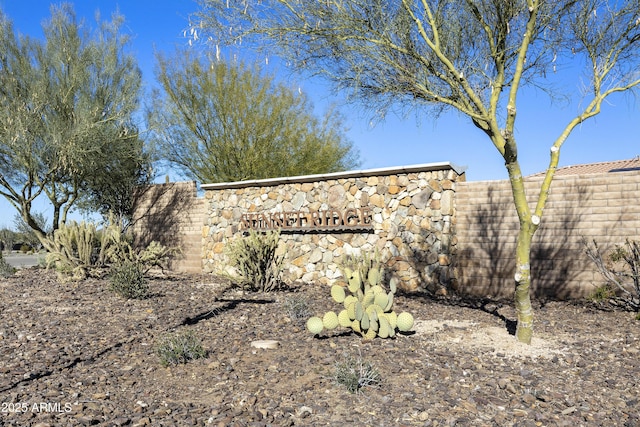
(603,167)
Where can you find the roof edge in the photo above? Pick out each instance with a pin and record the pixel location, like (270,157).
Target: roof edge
(424,167)
(610,166)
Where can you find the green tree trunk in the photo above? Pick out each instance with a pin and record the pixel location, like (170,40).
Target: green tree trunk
(524,329)
(528,226)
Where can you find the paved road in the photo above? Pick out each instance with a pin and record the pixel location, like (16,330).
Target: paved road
(19,260)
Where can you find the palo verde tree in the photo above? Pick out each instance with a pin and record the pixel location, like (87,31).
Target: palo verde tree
(24,233)
(125,165)
(472,56)
(66,106)
(220,121)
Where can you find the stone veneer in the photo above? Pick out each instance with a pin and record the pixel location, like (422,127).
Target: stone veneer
(413,216)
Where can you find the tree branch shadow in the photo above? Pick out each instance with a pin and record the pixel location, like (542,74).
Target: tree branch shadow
(160,211)
(487,305)
(486,266)
(70,365)
(229,305)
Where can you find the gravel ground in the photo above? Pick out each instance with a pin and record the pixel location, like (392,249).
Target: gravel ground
(77,354)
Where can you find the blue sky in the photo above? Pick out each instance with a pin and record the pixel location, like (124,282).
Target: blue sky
(395,141)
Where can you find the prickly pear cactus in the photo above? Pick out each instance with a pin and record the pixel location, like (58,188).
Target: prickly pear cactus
(367,305)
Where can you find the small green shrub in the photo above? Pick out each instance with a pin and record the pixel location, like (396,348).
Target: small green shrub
(179,348)
(258,267)
(42,260)
(602,293)
(6,269)
(354,373)
(297,309)
(128,281)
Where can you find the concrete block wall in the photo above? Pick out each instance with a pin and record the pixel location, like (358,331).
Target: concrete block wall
(173,215)
(604,207)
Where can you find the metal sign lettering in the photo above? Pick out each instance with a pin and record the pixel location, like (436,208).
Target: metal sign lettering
(359,219)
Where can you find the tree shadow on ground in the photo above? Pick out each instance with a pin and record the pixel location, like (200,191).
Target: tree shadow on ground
(67,366)
(229,304)
(487,305)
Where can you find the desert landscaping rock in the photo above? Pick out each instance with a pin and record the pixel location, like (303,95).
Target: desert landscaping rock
(76,354)
(265,344)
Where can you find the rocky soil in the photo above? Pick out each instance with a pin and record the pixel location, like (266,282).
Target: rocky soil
(77,354)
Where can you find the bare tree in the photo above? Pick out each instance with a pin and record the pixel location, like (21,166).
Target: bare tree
(473,56)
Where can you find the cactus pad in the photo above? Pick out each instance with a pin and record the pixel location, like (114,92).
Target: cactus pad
(404,321)
(376,308)
(374,276)
(330,320)
(392,318)
(359,310)
(381,300)
(348,300)
(370,334)
(351,310)
(343,319)
(314,325)
(389,302)
(393,285)
(372,312)
(347,273)
(373,324)
(355,325)
(384,329)
(364,322)
(354,282)
(337,293)
(377,289)
(368,298)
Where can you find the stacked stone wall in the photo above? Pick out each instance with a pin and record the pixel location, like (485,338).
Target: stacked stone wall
(411,223)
